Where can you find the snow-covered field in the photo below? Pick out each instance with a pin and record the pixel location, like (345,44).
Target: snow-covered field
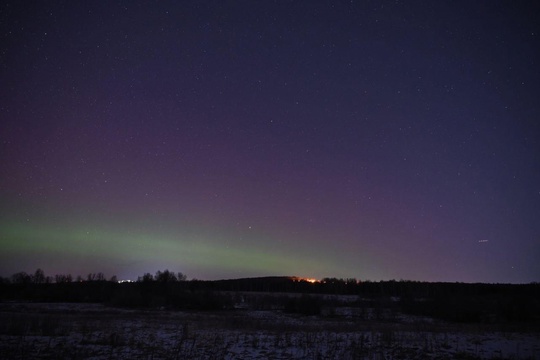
(91,331)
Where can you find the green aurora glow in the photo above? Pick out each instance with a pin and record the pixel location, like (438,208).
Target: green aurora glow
(175,249)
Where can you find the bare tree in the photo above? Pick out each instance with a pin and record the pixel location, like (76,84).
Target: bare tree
(60,278)
(21,278)
(39,277)
(147,277)
(166,276)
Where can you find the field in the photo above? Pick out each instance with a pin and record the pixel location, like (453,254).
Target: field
(95,331)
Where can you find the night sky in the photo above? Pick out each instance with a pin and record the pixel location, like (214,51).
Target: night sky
(224,139)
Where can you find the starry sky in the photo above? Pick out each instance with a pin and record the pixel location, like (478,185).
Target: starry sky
(370,139)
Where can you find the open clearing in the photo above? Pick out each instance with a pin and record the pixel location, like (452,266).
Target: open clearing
(94,331)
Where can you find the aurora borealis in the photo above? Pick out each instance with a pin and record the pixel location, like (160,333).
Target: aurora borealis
(376,140)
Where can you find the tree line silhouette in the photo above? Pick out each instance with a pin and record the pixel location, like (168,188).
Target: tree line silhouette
(459,302)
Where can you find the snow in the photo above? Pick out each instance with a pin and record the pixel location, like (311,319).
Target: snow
(90,331)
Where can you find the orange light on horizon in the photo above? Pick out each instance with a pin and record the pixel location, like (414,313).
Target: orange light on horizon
(309,280)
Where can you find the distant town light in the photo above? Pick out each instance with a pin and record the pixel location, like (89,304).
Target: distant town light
(309,280)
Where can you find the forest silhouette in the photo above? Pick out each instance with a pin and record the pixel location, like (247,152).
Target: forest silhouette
(457,302)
